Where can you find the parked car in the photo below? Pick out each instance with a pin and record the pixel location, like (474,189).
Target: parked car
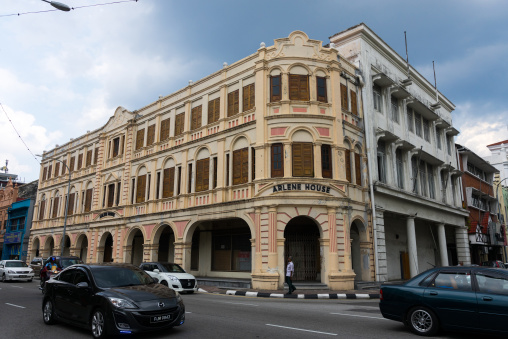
(171,275)
(494,263)
(36,265)
(111,299)
(15,270)
(452,298)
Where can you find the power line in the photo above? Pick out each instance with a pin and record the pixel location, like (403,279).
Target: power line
(18,133)
(73,8)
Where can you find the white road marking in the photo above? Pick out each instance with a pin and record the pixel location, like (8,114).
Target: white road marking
(15,305)
(301,329)
(359,316)
(224,302)
(17,286)
(188,312)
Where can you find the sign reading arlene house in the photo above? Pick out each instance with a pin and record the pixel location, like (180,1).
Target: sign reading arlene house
(301,187)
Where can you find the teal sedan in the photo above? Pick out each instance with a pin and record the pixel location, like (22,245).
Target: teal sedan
(451,298)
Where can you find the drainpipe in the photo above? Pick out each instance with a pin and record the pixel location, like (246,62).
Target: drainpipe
(368,142)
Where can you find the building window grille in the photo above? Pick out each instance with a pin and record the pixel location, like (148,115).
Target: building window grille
(410,124)
(376,92)
(381,161)
(438,138)
(418,124)
(400,168)
(430,175)
(426,130)
(395,110)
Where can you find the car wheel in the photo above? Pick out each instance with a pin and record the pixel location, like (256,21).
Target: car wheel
(30,280)
(164,282)
(48,313)
(422,321)
(3,278)
(98,324)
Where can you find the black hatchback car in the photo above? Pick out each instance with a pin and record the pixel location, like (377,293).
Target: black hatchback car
(453,298)
(111,299)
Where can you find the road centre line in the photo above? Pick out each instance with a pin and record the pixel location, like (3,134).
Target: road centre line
(17,286)
(301,329)
(225,302)
(359,316)
(15,305)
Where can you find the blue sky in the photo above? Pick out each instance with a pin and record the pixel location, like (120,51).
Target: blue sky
(63,73)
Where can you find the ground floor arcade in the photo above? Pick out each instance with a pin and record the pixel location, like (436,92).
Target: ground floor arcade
(329,244)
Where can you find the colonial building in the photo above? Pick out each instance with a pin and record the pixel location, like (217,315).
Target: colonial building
(418,218)
(228,176)
(486,237)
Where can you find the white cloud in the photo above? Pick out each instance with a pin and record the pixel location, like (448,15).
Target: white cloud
(477,129)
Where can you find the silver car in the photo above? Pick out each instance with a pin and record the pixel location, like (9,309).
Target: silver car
(15,270)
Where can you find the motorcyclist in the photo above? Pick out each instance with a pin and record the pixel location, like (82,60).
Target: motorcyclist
(50,267)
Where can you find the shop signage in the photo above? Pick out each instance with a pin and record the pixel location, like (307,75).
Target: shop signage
(301,187)
(12,237)
(106,214)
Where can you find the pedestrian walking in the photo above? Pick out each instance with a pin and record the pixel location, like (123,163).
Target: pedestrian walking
(290,270)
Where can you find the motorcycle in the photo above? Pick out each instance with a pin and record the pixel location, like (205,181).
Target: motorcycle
(46,275)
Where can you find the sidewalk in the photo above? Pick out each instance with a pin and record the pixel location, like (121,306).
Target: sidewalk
(299,294)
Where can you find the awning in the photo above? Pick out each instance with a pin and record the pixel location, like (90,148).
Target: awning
(382,80)
(421,108)
(399,92)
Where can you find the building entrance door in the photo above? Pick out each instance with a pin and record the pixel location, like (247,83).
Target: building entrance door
(302,243)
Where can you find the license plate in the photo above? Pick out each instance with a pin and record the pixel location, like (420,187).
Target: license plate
(160,318)
(22,276)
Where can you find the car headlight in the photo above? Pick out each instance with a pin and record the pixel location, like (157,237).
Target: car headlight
(172,277)
(121,303)
(11,272)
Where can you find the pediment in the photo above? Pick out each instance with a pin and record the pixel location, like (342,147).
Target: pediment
(119,118)
(298,44)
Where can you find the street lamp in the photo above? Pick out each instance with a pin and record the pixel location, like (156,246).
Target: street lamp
(58,5)
(62,245)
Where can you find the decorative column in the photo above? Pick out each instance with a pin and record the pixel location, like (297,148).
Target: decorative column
(267,279)
(443,251)
(411,246)
(150,252)
(258,260)
(272,238)
(462,243)
(100,254)
(341,277)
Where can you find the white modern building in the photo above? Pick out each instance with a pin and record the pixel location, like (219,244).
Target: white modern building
(418,218)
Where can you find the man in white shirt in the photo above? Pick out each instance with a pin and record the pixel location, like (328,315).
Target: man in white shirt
(290,270)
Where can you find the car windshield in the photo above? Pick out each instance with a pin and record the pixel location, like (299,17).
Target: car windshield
(15,264)
(174,268)
(109,276)
(69,262)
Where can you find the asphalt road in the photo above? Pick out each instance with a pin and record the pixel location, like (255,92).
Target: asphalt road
(221,316)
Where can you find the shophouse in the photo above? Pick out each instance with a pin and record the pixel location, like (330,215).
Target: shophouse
(8,195)
(486,238)
(413,173)
(228,176)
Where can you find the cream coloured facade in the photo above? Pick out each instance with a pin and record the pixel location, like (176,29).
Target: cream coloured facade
(228,176)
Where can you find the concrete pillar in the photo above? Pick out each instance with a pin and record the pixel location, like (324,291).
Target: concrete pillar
(272,238)
(462,243)
(442,244)
(258,260)
(411,246)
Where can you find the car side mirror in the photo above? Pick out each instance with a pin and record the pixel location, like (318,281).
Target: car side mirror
(156,270)
(82,284)
(155,280)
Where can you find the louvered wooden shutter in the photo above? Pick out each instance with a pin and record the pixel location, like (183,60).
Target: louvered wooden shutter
(303,160)
(168,182)
(50,171)
(196,113)
(70,206)
(275,86)
(343,97)
(248,97)
(298,87)
(179,124)
(44,173)
(57,169)
(55,207)
(88,200)
(71,165)
(233,103)
(354,107)
(96,155)
(214,172)
(80,161)
(42,207)
(202,175)
(140,188)
(64,167)
(140,138)
(277,161)
(358,169)
(164,129)
(89,158)
(111,194)
(213,110)
(116,147)
(150,137)
(253,162)
(240,166)
(348,165)
(326,163)
(321,89)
